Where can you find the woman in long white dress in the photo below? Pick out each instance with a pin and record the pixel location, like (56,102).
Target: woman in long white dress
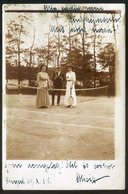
(42,98)
(70,86)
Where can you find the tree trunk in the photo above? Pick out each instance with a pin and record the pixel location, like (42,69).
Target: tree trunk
(83,46)
(94,58)
(69,43)
(83,42)
(117,67)
(6,85)
(48,50)
(58,62)
(58,43)
(30,63)
(19,73)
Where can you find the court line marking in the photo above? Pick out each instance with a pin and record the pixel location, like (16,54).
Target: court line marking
(58,114)
(58,123)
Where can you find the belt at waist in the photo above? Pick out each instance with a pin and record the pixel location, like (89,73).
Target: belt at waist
(69,80)
(44,88)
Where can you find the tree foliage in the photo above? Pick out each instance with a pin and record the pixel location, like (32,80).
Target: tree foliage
(83,50)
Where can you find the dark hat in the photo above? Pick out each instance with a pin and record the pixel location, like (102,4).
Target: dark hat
(41,65)
(70,66)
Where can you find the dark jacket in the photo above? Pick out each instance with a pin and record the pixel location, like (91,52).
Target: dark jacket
(58,80)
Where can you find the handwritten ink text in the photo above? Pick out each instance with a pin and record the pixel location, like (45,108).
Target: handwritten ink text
(91,179)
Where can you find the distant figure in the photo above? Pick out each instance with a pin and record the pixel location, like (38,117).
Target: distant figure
(70,87)
(42,99)
(57,79)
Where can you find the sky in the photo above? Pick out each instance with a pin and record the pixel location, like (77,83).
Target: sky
(42,22)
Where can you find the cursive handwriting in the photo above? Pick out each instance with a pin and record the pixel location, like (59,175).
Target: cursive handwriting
(92,179)
(78,29)
(101,20)
(94,8)
(29,181)
(57,29)
(16,182)
(72,8)
(50,8)
(104,165)
(71,164)
(51,165)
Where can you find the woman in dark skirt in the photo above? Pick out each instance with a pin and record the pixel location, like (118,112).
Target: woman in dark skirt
(42,99)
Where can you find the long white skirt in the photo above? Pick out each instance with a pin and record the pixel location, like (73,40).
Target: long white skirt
(67,95)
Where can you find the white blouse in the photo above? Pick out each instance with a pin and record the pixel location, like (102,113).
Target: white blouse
(71,76)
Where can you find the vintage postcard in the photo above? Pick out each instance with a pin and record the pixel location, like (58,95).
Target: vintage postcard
(63,97)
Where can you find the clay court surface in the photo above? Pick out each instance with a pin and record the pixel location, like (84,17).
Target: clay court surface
(85,132)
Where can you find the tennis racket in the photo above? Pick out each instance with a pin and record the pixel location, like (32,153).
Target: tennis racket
(70,99)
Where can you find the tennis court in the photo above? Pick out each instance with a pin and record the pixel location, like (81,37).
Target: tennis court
(85,132)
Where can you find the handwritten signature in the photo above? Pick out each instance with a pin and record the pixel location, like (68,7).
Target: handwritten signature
(81,178)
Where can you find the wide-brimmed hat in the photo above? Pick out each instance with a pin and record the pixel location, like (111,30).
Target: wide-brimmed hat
(41,65)
(70,66)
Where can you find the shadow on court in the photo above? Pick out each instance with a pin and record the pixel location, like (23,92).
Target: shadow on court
(85,132)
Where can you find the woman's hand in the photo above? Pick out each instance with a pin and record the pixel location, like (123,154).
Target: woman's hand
(50,88)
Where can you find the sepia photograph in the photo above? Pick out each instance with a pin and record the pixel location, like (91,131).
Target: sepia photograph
(62,69)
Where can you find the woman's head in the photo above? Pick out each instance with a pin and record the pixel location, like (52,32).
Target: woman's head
(70,67)
(43,68)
